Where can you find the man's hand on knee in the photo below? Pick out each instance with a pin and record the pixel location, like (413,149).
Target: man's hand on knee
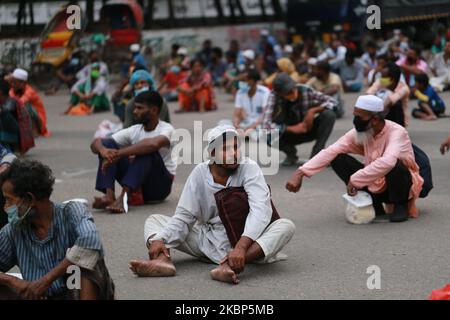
(110,155)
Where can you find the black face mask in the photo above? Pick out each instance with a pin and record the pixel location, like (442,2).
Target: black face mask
(19,91)
(360,124)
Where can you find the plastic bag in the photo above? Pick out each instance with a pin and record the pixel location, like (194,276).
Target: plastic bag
(359,208)
(107,128)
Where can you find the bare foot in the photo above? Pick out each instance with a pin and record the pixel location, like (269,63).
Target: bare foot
(102,202)
(152,268)
(225,274)
(116,206)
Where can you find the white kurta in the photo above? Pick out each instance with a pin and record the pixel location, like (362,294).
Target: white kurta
(198,205)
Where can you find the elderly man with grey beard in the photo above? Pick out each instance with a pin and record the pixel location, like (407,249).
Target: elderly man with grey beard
(389,172)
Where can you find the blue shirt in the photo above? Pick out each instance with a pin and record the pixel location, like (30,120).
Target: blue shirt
(73,225)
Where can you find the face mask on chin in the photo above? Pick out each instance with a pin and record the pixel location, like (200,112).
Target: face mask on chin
(243,86)
(138,91)
(385,82)
(411,60)
(13,215)
(19,91)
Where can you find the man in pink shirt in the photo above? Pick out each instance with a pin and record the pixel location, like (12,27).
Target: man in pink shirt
(389,172)
(394,93)
(412,65)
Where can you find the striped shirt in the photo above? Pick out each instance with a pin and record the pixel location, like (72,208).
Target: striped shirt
(281,113)
(73,226)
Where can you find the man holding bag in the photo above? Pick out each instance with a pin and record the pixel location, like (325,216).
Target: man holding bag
(199,228)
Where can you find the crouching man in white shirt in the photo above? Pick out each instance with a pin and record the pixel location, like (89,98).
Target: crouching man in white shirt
(196,227)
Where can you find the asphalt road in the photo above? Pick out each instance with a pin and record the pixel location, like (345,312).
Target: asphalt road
(328,258)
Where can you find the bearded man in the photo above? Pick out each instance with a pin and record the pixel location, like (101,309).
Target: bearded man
(197,227)
(139,157)
(389,172)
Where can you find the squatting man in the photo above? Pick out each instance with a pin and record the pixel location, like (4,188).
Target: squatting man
(196,227)
(389,172)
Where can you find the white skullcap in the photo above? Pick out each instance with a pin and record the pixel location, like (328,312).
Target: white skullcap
(135,47)
(312,61)
(20,74)
(288,49)
(249,54)
(265,32)
(182,51)
(370,103)
(218,131)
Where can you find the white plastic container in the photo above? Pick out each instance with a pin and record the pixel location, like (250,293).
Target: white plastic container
(359,208)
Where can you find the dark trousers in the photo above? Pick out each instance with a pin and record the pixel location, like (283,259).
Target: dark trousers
(146,171)
(396,114)
(321,131)
(398,180)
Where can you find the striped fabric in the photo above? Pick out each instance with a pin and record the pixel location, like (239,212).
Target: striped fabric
(73,225)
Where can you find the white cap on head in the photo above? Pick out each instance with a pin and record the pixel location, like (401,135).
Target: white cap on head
(135,47)
(370,103)
(218,131)
(182,51)
(288,48)
(249,54)
(20,74)
(265,32)
(312,61)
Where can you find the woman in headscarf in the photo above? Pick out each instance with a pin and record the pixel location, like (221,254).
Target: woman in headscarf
(197,92)
(140,81)
(287,66)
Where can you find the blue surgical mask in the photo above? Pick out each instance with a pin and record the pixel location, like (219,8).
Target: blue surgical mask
(74,61)
(143,89)
(13,215)
(243,86)
(175,69)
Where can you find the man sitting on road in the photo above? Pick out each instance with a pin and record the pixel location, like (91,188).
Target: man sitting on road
(197,229)
(44,239)
(26,94)
(394,93)
(138,157)
(389,173)
(251,99)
